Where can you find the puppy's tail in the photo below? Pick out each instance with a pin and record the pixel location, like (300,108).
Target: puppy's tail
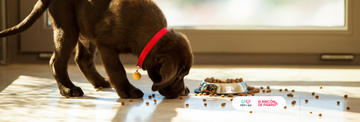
(39,8)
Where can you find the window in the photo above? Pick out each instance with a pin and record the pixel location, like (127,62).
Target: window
(240,14)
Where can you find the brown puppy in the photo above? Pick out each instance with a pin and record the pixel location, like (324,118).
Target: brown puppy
(112,27)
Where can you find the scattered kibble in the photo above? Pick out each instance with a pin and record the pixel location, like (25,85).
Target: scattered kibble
(147,103)
(252,94)
(155,100)
(338,102)
(205,104)
(200,94)
(215,95)
(222,95)
(195,94)
(131,100)
(320,87)
(204,94)
(290,95)
(293,90)
(268,87)
(100,87)
(149,96)
(67,96)
(223,104)
(231,99)
(97,89)
(261,87)
(346,96)
(153,95)
(306,100)
(210,95)
(187,104)
(320,115)
(263,91)
(286,89)
(348,108)
(181,98)
(204,100)
(285,107)
(317,96)
(122,103)
(280,89)
(293,102)
(310,112)
(230,95)
(250,111)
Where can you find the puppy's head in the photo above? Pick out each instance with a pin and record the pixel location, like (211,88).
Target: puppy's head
(171,61)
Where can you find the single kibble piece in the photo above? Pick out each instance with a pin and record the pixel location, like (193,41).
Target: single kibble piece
(293,90)
(293,102)
(204,100)
(290,95)
(215,95)
(310,112)
(131,100)
(261,87)
(239,94)
(268,87)
(147,103)
(306,100)
(100,87)
(230,95)
(317,96)
(204,94)
(346,96)
(250,111)
(154,100)
(320,87)
(263,91)
(205,104)
(231,99)
(320,115)
(348,108)
(187,104)
(280,89)
(122,103)
(210,95)
(153,95)
(195,94)
(245,94)
(223,104)
(252,94)
(286,89)
(67,96)
(149,96)
(313,93)
(338,102)
(181,98)
(285,107)
(97,89)
(222,95)
(200,94)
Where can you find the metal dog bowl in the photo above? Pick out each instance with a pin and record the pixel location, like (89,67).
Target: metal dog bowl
(223,88)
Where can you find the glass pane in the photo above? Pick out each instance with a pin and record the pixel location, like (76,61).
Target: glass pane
(254,13)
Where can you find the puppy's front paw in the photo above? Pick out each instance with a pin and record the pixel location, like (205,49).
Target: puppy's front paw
(71,92)
(130,93)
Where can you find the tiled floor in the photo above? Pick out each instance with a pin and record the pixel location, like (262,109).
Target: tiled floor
(32,95)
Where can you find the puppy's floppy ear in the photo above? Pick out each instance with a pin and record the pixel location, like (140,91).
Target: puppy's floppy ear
(168,72)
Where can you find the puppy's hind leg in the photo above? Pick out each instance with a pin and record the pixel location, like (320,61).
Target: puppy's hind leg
(64,45)
(84,59)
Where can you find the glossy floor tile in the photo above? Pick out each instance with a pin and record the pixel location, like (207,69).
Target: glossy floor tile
(29,93)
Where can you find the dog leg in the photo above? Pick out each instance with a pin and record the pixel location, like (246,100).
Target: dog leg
(64,45)
(85,61)
(117,74)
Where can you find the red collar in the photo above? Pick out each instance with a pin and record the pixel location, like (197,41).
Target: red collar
(150,45)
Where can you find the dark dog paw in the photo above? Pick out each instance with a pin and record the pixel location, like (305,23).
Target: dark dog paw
(130,93)
(71,92)
(103,84)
